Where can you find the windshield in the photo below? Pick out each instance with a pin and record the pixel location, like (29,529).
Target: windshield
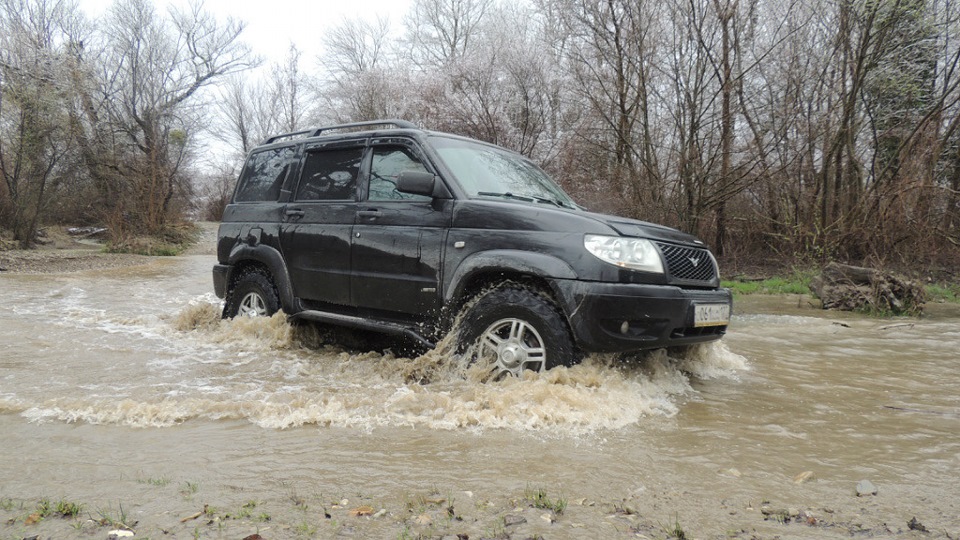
(488,171)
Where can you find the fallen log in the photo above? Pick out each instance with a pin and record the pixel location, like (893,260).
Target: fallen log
(854,288)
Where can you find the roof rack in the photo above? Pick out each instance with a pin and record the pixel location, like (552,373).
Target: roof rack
(402,124)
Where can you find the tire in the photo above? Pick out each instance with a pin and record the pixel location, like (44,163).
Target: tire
(253,295)
(513,328)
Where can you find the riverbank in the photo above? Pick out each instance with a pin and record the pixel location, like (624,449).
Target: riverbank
(170,509)
(59,252)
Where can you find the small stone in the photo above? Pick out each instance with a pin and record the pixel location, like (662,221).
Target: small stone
(915,525)
(866,487)
(380,513)
(548,518)
(423,519)
(803,477)
(733,472)
(362,511)
(119,533)
(510,520)
(779,514)
(253,537)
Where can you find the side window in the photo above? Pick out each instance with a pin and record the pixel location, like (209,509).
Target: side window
(263,176)
(330,175)
(388,162)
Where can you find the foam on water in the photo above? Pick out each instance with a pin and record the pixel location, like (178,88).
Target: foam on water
(275,375)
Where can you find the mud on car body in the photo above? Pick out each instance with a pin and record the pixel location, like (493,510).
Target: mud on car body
(387,227)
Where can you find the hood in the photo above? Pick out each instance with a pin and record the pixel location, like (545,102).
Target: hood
(644,229)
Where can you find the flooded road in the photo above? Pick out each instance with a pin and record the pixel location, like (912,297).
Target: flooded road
(123,391)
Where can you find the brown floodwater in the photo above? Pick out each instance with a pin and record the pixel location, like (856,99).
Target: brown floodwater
(123,388)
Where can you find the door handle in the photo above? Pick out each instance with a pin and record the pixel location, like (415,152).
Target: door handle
(294,213)
(372,213)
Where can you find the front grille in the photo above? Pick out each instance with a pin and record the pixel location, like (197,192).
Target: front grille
(688,264)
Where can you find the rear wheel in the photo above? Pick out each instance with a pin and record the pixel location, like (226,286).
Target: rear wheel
(253,295)
(513,328)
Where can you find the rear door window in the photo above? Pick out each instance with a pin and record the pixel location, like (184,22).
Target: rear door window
(330,175)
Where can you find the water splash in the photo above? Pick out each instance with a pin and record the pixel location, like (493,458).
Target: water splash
(277,375)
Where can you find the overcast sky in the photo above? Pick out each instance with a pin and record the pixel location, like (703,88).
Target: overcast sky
(273,24)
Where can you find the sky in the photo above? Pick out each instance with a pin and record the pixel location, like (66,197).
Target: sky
(273,25)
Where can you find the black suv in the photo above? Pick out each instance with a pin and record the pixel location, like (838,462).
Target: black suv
(387,227)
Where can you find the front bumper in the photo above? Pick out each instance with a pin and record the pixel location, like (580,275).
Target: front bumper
(617,317)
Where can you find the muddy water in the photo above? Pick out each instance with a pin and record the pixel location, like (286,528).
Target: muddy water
(122,387)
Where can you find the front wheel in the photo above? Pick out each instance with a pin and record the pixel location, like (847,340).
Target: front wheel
(513,328)
(252,295)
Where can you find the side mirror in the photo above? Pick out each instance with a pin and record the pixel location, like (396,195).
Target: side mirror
(416,183)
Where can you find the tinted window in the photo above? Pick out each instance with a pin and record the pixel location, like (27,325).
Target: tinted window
(388,162)
(330,175)
(263,176)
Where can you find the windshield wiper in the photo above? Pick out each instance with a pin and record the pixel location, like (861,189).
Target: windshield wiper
(506,195)
(527,198)
(548,200)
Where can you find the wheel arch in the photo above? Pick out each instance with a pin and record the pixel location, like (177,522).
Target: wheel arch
(245,257)
(487,269)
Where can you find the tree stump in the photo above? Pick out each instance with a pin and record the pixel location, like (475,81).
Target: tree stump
(853,288)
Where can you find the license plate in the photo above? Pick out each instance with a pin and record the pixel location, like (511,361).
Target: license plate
(711,314)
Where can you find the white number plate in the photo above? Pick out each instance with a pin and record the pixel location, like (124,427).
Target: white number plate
(711,314)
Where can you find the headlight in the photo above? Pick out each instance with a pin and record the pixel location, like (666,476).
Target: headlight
(633,253)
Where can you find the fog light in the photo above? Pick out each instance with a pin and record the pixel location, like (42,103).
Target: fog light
(624,328)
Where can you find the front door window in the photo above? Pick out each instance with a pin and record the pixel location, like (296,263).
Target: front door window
(387,164)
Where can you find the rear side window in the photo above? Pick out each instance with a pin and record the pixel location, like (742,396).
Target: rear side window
(263,176)
(330,175)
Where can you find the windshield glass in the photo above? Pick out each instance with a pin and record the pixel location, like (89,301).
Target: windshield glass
(488,171)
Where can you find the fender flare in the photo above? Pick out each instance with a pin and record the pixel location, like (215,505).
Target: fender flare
(273,261)
(507,261)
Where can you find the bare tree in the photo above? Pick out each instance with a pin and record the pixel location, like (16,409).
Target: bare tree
(611,52)
(441,31)
(289,90)
(359,81)
(153,67)
(251,109)
(35,148)
(507,91)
